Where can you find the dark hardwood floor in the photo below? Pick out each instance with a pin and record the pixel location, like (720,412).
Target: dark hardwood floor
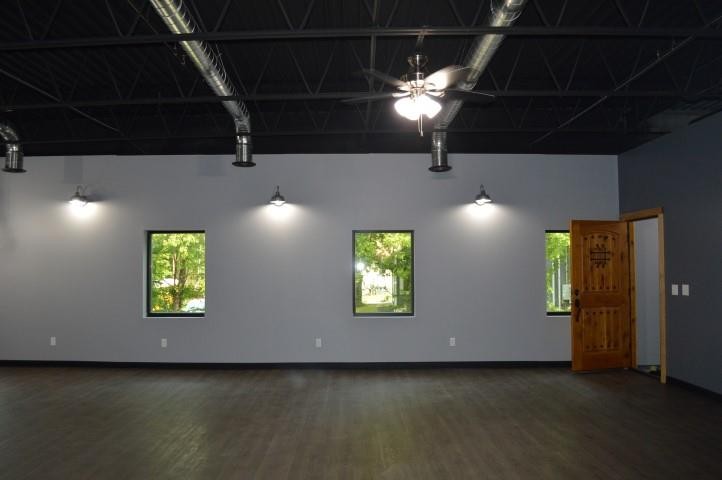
(506,423)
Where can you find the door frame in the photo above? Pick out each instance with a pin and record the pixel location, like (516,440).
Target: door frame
(630,218)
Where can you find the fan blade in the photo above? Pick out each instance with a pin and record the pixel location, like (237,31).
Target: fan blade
(375,97)
(384,78)
(468,96)
(447,77)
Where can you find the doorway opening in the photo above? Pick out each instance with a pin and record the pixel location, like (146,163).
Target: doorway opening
(647,291)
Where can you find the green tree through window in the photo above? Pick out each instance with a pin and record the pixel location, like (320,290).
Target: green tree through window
(558,280)
(383,273)
(176,273)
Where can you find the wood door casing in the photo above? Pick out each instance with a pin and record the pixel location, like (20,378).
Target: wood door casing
(601,322)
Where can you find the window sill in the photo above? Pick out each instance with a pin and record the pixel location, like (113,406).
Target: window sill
(559,314)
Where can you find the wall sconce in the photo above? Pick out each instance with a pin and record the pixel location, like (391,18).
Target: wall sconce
(482,198)
(79,199)
(277,199)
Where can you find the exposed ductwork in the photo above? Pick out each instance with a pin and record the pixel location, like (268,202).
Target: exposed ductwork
(480,54)
(439,160)
(179,21)
(13,149)
(244,151)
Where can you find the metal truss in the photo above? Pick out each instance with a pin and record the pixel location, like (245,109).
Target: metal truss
(619,100)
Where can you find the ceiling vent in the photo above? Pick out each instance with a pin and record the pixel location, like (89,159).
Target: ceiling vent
(13,149)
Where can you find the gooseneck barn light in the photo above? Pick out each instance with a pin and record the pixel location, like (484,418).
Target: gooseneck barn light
(79,199)
(277,199)
(482,197)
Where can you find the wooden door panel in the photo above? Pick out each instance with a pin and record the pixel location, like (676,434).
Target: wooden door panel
(601,270)
(601,324)
(602,330)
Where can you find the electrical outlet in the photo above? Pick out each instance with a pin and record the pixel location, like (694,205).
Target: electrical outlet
(319,343)
(163,343)
(52,341)
(685,290)
(452,341)
(675,289)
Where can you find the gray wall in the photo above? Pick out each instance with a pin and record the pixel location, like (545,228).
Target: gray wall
(278,279)
(682,173)
(646,256)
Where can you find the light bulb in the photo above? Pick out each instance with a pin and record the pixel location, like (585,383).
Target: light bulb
(277,199)
(482,198)
(78,199)
(428,106)
(413,107)
(407,108)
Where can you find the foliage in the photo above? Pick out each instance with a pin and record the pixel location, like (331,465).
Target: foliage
(385,252)
(557,252)
(178,271)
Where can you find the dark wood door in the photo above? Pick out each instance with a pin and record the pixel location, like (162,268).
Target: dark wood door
(601,322)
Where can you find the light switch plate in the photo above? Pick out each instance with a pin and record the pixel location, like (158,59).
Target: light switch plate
(675,289)
(52,341)
(452,341)
(685,290)
(163,343)
(319,343)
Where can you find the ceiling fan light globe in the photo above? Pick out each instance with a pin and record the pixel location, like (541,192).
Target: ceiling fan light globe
(428,106)
(407,108)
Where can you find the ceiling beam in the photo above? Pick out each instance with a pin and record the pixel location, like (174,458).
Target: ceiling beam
(294,133)
(257,35)
(660,58)
(304,97)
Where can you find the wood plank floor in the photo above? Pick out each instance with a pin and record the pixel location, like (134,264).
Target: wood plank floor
(536,423)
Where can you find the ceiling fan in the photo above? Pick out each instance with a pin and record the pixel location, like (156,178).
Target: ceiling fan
(417,92)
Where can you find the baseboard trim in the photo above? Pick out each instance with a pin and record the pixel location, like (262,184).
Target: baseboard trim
(693,387)
(290,365)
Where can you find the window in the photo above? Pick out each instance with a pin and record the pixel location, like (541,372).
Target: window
(383,273)
(176,274)
(558,279)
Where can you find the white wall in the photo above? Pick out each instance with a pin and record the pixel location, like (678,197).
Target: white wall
(646,257)
(479,271)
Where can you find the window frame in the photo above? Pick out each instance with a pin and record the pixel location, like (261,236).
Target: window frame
(149,280)
(412,313)
(556,314)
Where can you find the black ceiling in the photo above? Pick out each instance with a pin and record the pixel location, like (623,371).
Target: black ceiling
(572,76)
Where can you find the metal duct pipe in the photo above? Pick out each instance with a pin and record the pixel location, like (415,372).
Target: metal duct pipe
(13,149)
(439,160)
(179,21)
(480,54)
(244,151)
